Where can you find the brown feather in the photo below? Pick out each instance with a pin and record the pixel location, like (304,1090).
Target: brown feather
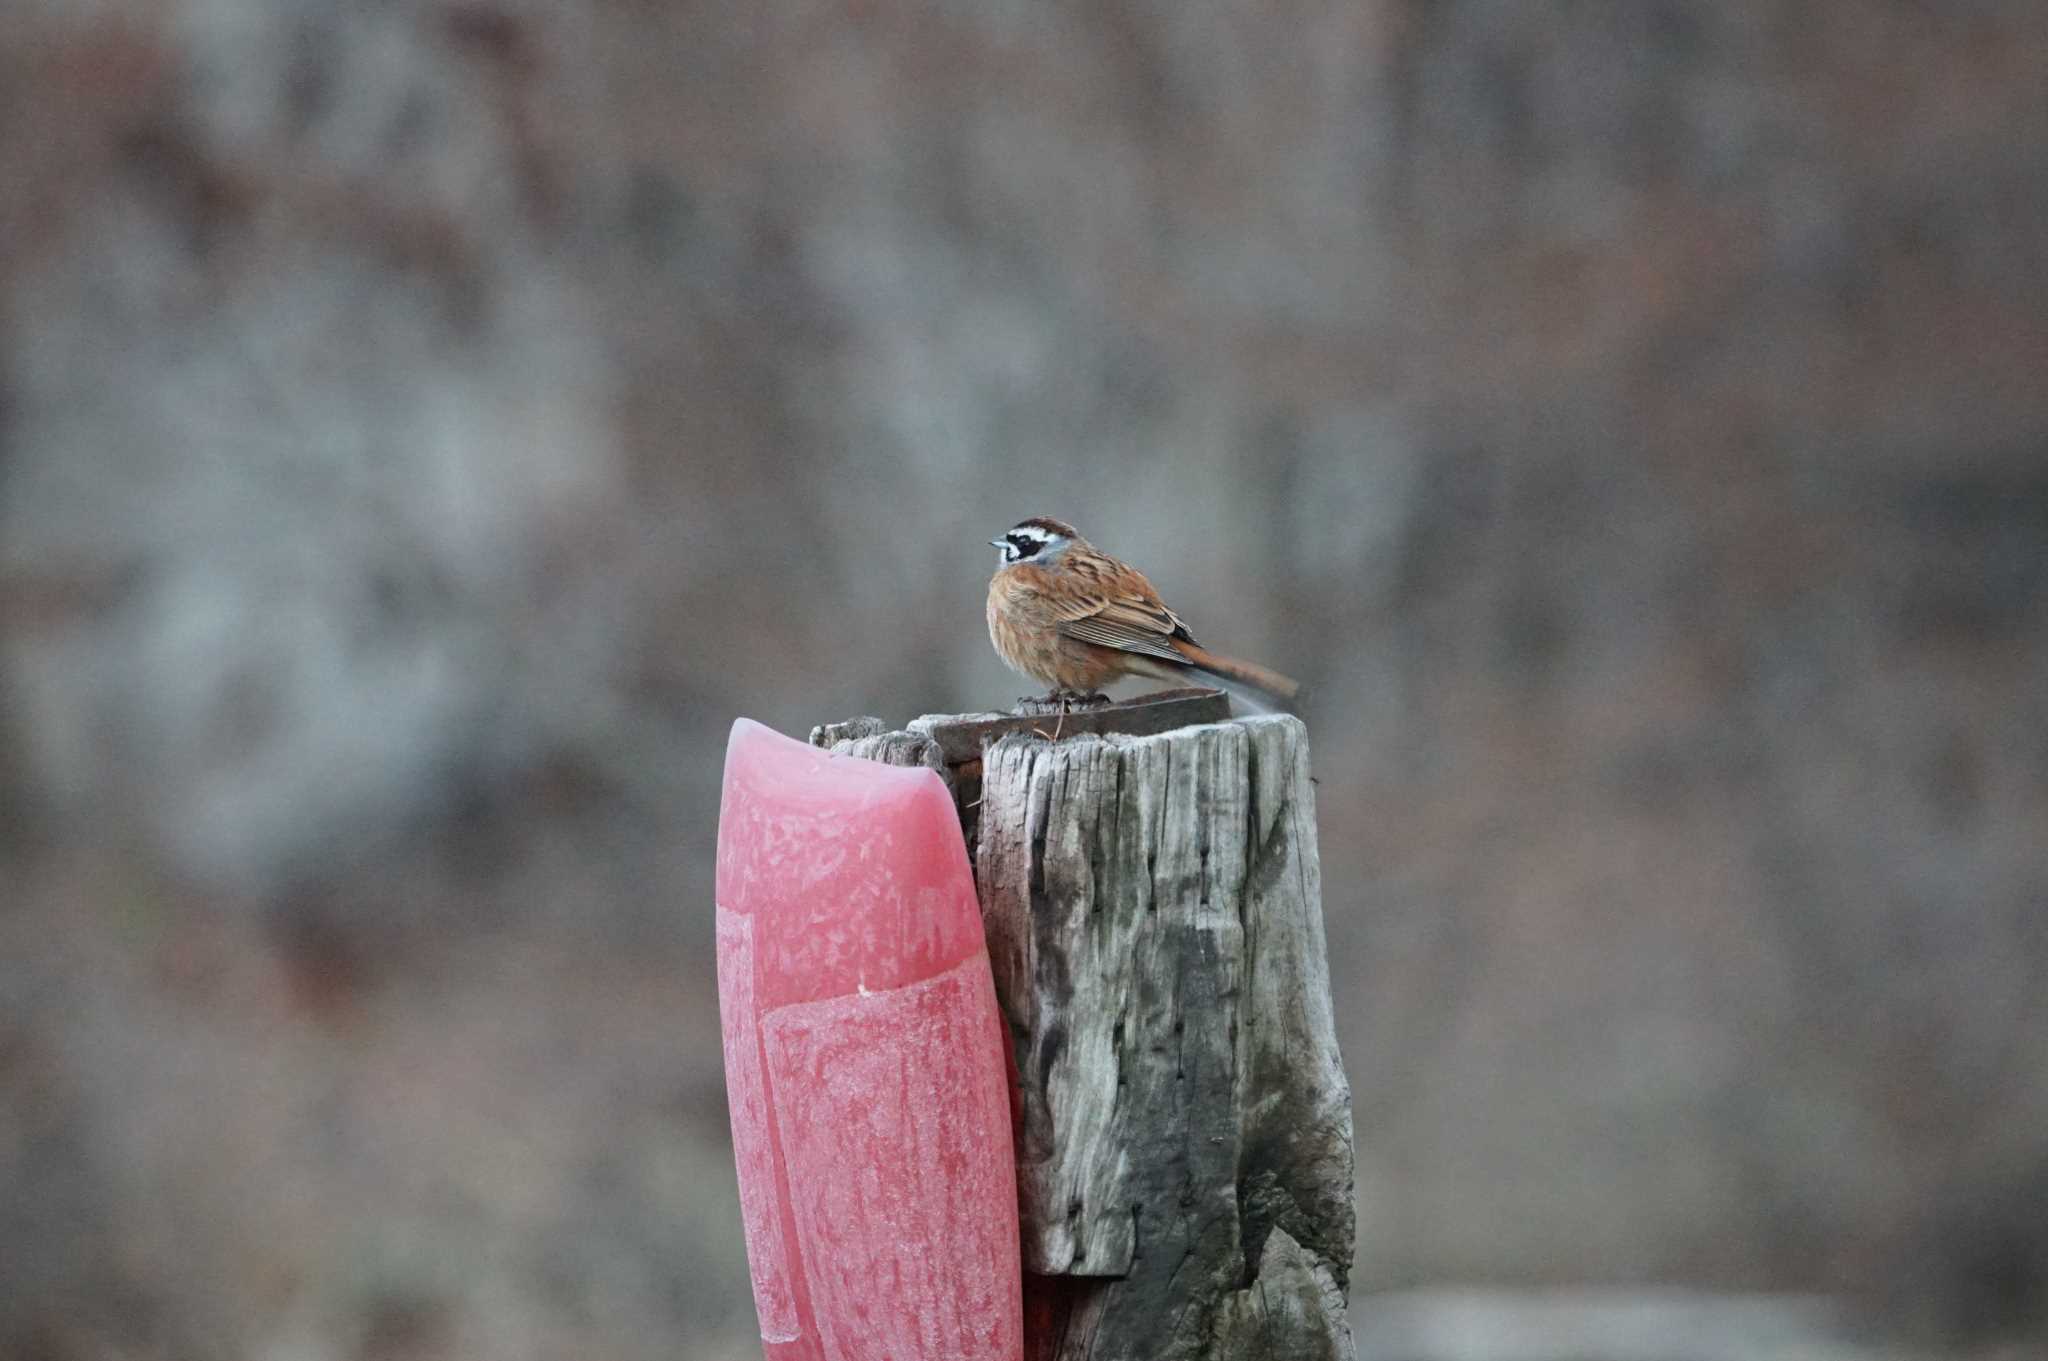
(1264,680)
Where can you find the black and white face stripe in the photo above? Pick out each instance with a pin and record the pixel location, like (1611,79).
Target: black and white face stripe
(1027,541)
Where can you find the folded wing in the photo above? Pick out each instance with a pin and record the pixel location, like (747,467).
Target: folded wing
(1133,623)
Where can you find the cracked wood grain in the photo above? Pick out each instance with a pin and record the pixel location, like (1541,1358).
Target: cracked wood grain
(1153,911)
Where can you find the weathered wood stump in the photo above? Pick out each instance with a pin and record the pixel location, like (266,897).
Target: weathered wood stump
(1153,907)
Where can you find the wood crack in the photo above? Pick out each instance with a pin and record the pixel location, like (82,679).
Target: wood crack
(1152,906)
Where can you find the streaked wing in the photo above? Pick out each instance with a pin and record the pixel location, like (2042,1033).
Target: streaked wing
(1131,623)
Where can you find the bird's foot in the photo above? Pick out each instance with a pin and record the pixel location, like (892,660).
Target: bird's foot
(1064,699)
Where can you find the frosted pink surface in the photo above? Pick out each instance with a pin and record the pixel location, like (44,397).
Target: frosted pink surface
(857,868)
(890,1107)
(866,1064)
(746,1089)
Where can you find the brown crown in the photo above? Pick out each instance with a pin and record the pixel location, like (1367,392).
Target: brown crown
(1050,525)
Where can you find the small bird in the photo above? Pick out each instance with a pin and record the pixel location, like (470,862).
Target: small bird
(1069,615)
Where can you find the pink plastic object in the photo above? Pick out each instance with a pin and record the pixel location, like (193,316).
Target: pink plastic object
(865,1062)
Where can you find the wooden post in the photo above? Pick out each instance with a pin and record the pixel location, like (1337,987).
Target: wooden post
(1153,907)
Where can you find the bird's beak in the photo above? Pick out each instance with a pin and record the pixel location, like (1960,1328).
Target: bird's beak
(995,543)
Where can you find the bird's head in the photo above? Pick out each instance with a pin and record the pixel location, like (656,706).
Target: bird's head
(1035,539)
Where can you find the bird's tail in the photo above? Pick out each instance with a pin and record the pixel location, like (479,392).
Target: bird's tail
(1246,680)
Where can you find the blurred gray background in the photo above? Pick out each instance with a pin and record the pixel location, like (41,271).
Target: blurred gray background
(425,425)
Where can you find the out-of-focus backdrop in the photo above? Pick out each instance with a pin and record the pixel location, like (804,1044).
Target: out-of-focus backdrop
(425,425)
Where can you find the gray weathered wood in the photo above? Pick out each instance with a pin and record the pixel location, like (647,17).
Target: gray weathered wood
(870,738)
(1154,918)
(962,736)
(852,730)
